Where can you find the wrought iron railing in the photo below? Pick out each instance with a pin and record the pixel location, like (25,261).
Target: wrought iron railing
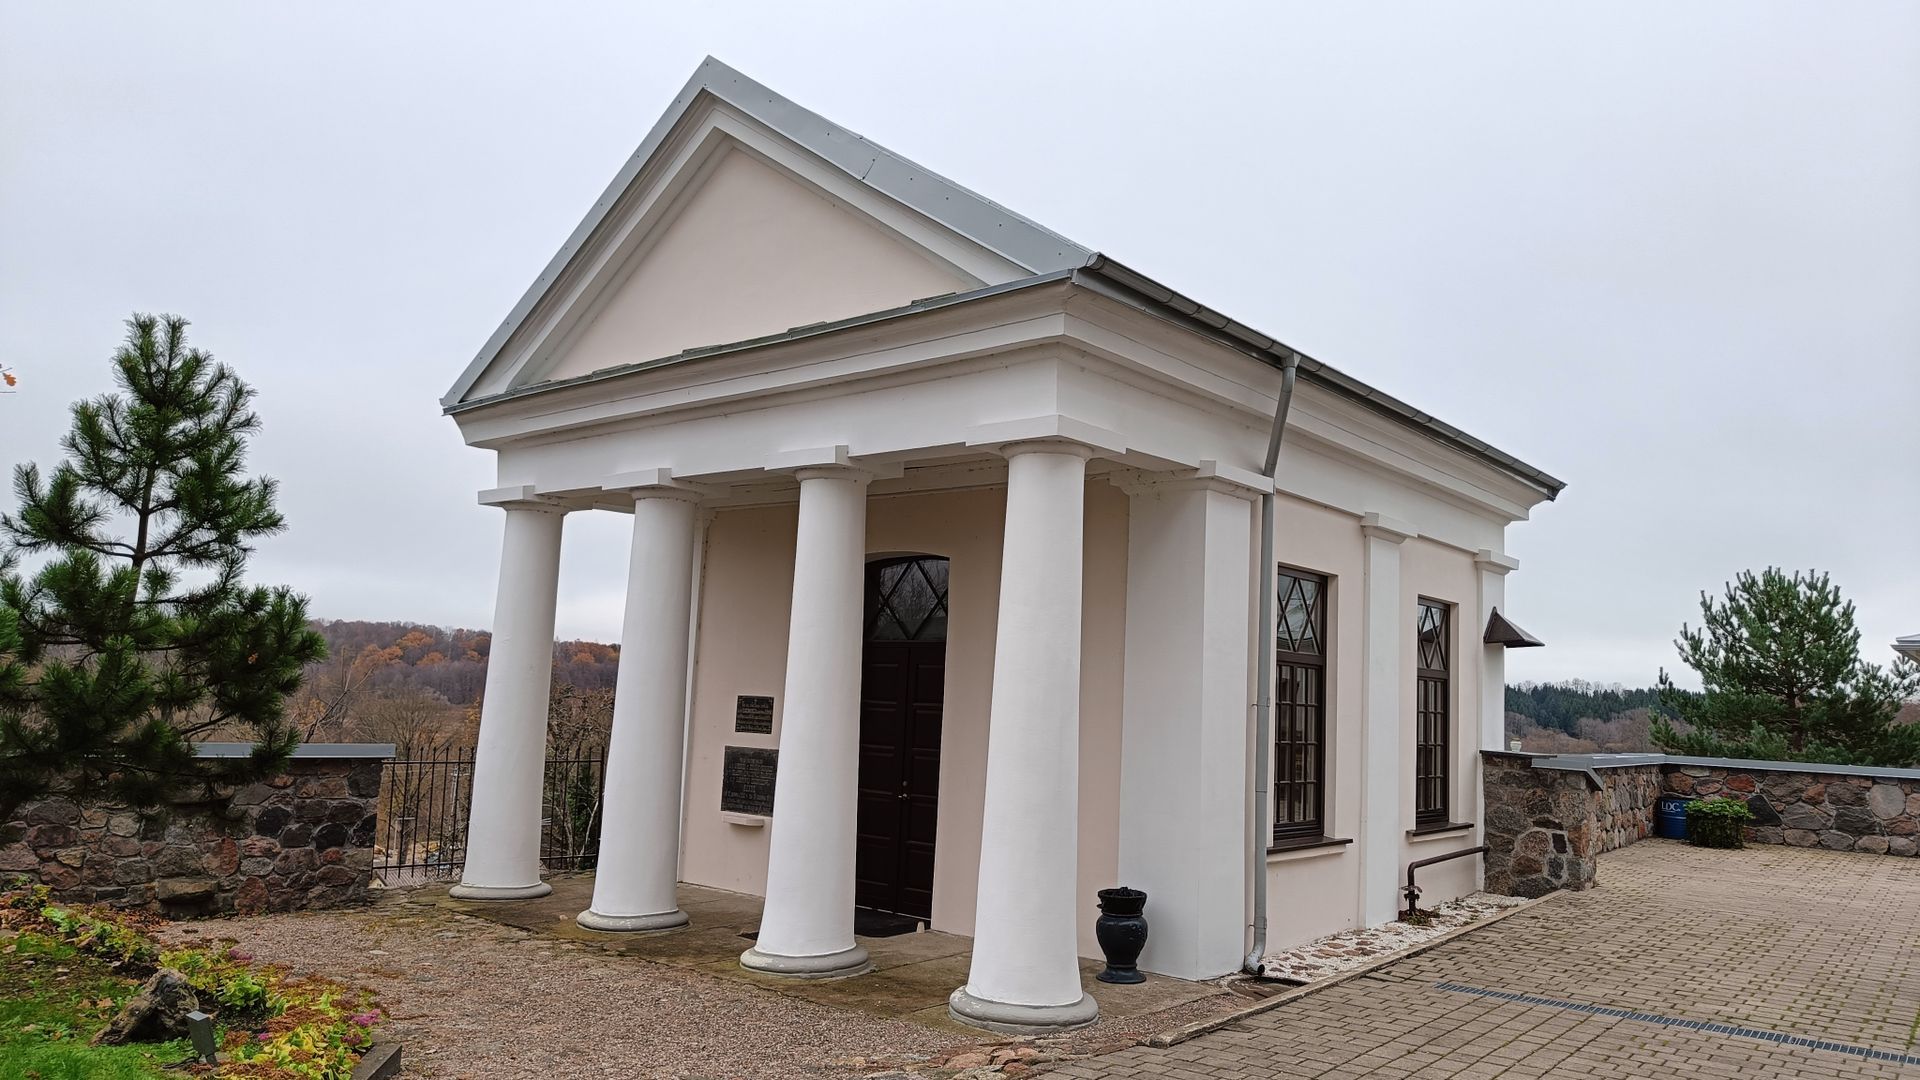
(424,802)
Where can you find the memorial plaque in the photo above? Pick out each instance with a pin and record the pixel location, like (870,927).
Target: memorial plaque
(746,780)
(753,714)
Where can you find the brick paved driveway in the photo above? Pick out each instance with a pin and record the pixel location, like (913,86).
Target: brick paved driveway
(1765,943)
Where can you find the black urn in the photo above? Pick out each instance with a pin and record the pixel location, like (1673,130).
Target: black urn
(1122,930)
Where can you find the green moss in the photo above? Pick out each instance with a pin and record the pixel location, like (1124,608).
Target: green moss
(52,1000)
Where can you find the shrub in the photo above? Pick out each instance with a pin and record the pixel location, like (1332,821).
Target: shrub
(1719,822)
(115,942)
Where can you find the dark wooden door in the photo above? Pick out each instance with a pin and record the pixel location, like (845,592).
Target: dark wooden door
(902,690)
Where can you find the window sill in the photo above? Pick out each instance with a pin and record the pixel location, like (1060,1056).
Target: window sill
(1439,830)
(1305,847)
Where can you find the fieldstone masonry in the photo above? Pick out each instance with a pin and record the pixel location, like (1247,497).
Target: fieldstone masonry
(1876,814)
(1546,828)
(1539,829)
(1547,825)
(301,840)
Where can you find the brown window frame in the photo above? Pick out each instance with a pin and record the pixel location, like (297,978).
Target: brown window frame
(1300,704)
(1433,716)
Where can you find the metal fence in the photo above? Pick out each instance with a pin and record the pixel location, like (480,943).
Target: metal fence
(424,802)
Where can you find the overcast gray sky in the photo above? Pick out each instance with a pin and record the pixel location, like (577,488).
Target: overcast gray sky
(1669,253)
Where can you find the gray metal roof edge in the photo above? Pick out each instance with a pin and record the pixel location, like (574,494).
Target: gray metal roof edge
(798,333)
(1589,762)
(1019,239)
(1320,372)
(308,751)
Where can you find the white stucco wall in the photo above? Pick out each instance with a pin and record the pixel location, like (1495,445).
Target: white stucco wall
(1442,573)
(741,650)
(1315,892)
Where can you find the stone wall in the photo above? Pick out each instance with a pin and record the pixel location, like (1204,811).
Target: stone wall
(1539,831)
(301,840)
(1546,827)
(1625,804)
(1876,811)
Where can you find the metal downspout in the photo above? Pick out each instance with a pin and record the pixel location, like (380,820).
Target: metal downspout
(1263,681)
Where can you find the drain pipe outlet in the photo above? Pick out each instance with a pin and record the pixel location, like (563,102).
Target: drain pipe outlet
(1263,682)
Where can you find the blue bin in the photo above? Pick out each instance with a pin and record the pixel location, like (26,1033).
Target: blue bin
(1670,816)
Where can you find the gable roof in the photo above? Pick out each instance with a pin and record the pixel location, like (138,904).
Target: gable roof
(1017,239)
(1027,244)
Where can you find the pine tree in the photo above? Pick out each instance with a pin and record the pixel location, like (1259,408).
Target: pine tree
(136,636)
(1782,680)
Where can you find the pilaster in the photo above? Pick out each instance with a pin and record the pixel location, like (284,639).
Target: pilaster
(1384,719)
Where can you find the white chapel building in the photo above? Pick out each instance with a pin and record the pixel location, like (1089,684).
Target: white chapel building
(947,594)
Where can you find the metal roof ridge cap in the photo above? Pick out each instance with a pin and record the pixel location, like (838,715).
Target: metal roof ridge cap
(304,751)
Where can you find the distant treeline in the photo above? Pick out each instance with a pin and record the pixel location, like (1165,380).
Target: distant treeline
(449,662)
(1560,706)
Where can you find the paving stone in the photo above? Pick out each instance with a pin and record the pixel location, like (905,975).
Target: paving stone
(1655,935)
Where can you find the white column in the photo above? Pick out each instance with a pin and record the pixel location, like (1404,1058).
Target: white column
(633,886)
(1494,568)
(503,821)
(1026,969)
(806,928)
(1385,721)
(1183,767)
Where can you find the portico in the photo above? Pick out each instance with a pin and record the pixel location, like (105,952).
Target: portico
(946,528)
(1028,900)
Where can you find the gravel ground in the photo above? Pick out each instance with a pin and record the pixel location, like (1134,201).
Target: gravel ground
(473,999)
(1345,951)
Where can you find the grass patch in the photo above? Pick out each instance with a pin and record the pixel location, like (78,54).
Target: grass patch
(53,998)
(65,972)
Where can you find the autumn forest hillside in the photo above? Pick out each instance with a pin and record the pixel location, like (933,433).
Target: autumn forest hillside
(419,687)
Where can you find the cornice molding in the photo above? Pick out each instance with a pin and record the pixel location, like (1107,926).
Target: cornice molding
(1493,562)
(1209,476)
(1037,433)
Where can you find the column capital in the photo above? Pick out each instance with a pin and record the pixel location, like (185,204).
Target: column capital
(1392,530)
(522,497)
(1210,475)
(816,461)
(1493,562)
(1047,434)
(655,484)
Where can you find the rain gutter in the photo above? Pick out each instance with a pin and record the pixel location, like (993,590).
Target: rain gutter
(1263,681)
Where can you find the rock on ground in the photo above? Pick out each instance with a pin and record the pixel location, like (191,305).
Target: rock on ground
(157,1013)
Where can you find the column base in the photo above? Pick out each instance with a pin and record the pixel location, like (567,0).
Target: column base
(1021,1019)
(464,891)
(837,965)
(631,924)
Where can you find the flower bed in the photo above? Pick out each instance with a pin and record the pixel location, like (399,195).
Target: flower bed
(270,1025)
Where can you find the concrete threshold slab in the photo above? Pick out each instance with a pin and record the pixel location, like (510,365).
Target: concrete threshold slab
(912,974)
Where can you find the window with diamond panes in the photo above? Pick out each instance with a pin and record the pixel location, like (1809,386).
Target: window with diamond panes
(909,600)
(1432,714)
(1299,701)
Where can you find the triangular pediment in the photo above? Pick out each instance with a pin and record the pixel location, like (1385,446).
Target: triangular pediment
(752,251)
(743,215)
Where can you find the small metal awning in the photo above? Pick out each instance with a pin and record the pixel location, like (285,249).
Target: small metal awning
(1500,631)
